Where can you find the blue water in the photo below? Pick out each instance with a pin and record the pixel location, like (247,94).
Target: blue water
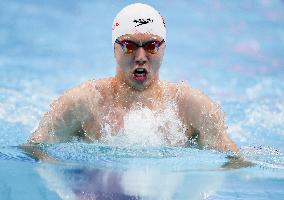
(231,50)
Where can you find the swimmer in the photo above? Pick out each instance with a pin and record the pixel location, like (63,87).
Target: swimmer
(139,42)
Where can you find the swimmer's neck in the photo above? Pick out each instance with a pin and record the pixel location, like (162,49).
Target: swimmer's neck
(126,96)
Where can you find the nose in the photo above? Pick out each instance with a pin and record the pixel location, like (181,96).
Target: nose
(140,56)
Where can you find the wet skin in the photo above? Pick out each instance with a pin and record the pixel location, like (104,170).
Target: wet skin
(82,110)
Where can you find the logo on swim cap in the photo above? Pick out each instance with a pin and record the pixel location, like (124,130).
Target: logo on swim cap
(142,21)
(138,18)
(115,25)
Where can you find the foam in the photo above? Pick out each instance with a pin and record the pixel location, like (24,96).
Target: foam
(145,127)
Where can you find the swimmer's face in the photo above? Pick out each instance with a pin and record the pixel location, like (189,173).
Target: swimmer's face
(138,66)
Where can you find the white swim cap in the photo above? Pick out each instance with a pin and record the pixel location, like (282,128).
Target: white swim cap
(138,18)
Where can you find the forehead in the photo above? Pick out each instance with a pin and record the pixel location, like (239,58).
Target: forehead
(139,37)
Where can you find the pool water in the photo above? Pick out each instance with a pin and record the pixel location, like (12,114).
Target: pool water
(233,51)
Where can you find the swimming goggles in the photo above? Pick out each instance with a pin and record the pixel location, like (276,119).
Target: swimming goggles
(129,47)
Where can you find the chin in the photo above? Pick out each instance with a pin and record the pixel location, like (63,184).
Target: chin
(138,86)
(141,85)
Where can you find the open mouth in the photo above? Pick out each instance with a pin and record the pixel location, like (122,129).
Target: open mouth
(140,74)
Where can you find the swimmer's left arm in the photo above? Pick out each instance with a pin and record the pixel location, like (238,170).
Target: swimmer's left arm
(212,129)
(206,117)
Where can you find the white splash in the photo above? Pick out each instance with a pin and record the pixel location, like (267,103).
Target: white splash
(146,127)
(259,116)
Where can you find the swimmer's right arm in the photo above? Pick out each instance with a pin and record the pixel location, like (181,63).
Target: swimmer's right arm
(52,123)
(59,123)
(67,115)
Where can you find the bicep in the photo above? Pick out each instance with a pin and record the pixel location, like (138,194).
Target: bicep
(207,118)
(58,124)
(210,122)
(212,128)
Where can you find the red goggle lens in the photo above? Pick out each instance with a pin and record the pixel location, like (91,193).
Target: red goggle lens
(129,46)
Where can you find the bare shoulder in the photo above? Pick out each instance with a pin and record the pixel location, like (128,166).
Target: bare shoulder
(193,97)
(186,95)
(195,104)
(170,88)
(87,87)
(91,91)
(184,91)
(67,114)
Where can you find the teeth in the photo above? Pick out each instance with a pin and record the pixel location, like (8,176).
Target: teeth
(140,70)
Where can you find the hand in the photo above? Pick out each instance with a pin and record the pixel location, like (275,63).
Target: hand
(35,151)
(236,162)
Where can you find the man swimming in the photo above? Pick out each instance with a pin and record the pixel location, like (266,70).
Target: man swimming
(139,39)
